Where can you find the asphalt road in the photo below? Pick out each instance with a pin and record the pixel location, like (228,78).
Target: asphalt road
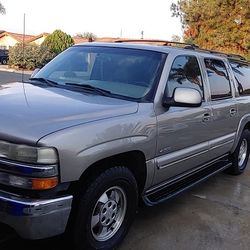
(6,77)
(213,215)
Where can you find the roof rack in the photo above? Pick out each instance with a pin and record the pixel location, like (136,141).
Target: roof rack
(158,42)
(230,56)
(181,45)
(238,57)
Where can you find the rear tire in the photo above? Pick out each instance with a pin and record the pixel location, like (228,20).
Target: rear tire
(106,210)
(240,156)
(4,61)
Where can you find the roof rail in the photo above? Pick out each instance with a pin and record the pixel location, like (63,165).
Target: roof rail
(230,56)
(182,45)
(158,42)
(235,56)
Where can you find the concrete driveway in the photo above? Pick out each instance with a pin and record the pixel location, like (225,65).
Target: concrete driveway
(213,215)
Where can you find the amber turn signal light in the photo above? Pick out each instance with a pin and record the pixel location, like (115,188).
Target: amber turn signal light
(44,183)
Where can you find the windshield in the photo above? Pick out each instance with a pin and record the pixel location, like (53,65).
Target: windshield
(124,72)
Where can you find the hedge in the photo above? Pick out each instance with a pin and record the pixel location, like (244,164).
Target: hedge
(29,57)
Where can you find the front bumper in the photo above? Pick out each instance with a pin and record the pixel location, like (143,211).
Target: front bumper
(35,219)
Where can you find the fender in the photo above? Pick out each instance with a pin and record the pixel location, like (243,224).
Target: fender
(115,147)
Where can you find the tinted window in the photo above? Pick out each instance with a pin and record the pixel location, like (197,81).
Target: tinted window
(242,75)
(123,72)
(218,79)
(185,72)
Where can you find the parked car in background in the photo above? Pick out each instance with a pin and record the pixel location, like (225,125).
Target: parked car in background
(104,126)
(4,56)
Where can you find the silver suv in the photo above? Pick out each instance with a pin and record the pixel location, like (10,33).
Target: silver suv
(103,126)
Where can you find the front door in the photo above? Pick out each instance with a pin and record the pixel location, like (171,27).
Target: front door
(183,133)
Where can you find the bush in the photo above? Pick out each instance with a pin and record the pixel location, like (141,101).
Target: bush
(58,41)
(31,57)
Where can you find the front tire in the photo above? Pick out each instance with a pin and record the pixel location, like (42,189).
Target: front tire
(106,210)
(240,156)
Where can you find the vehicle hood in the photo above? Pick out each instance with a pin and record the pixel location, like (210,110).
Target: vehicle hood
(29,112)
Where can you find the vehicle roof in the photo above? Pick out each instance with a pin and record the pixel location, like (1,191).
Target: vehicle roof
(157,48)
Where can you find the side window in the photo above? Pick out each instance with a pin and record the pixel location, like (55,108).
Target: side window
(218,79)
(185,72)
(241,72)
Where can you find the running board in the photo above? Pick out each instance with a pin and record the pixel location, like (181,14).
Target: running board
(175,187)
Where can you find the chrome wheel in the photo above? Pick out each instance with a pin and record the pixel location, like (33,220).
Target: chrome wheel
(108,213)
(242,153)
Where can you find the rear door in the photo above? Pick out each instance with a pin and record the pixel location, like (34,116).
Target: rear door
(224,107)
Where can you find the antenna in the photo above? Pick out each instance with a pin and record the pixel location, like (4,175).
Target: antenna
(23,46)
(24,60)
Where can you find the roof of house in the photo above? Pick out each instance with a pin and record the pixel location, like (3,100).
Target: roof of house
(44,34)
(106,39)
(98,39)
(80,39)
(16,36)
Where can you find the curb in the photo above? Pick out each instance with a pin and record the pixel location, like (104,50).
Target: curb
(7,70)
(15,71)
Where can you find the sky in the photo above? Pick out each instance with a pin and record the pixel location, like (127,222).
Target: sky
(105,18)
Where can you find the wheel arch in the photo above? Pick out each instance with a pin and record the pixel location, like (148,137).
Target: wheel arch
(244,124)
(135,161)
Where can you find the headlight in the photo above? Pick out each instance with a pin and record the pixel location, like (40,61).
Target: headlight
(23,153)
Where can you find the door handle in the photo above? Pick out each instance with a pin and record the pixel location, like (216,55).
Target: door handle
(233,111)
(206,117)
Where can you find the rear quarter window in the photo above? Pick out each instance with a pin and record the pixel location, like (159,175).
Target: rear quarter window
(241,72)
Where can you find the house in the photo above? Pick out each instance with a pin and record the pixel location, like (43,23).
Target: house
(9,39)
(106,39)
(98,39)
(38,40)
(79,39)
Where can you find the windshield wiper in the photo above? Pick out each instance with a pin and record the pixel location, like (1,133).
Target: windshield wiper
(44,80)
(91,88)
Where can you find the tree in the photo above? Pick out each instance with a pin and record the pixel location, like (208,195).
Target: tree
(58,41)
(175,38)
(88,35)
(216,24)
(2,9)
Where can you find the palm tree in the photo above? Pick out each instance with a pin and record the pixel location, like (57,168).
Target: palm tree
(2,9)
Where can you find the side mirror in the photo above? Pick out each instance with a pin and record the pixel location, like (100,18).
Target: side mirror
(183,97)
(34,72)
